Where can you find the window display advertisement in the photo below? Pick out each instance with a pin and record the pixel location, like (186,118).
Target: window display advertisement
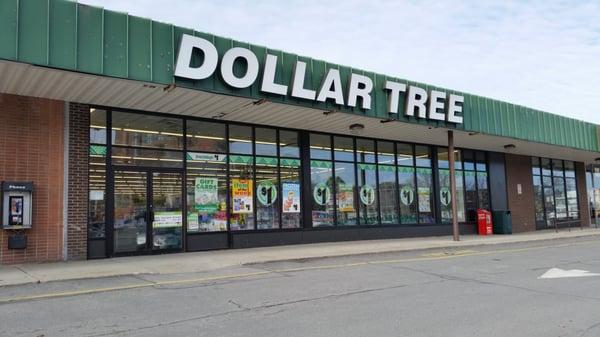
(206,195)
(167,219)
(291,197)
(241,196)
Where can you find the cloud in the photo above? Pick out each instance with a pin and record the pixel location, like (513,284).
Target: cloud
(541,54)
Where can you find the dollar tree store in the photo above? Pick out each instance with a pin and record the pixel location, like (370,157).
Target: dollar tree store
(143,137)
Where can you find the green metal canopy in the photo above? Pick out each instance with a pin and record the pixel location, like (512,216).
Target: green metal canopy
(66,35)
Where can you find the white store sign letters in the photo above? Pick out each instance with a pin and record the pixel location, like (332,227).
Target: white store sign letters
(434,105)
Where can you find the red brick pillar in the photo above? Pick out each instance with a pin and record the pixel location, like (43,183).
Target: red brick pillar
(584,207)
(518,172)
(77,198)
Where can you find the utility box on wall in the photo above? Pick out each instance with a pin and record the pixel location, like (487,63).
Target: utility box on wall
(17,201)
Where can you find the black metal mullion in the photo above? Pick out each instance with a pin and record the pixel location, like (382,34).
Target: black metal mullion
(149,208)
(279,187)
(110,188)
(397,185)
(356,185)
(415,183)
(228,186)
(377,183)
(184,200)
(334,182)
(435,181)
(253,191)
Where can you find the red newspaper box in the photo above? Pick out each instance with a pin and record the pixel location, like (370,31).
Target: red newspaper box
(484,222)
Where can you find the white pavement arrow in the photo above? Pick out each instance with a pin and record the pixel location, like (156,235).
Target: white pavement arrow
(560,273)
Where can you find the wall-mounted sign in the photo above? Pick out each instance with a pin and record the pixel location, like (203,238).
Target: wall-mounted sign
(433,104)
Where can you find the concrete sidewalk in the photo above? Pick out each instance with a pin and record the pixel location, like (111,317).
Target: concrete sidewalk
(212,260)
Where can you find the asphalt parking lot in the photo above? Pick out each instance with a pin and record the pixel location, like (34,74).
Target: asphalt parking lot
(497,290)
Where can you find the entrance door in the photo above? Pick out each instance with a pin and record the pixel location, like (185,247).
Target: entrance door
(148,211)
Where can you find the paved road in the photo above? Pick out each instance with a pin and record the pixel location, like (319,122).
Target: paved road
(480,291)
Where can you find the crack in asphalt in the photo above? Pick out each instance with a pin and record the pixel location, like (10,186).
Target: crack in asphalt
(241,308)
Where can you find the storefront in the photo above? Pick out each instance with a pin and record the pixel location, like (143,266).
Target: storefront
(158,139)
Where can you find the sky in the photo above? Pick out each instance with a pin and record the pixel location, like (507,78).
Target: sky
(541,54)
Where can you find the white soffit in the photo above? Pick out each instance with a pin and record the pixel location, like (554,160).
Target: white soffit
(28,80)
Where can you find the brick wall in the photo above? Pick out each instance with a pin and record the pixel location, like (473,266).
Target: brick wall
(79,121)
(32,149)
(518,171)
(584,207)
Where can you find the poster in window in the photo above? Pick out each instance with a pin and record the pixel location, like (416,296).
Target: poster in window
(241,196)
(206,195)
(345,198)
(291,197)
(424,199)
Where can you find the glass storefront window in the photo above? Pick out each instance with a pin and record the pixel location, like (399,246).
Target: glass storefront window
(291,204)
(206,192)
(146,157)
(241,187)
(206,136)
(385,153)
(388,194)
(240,139)
(345,193)
(424,196)
(560,198)
(470,195)
(460,197)
(445,196)
(343,148)
(320,146)
(142,130)
(423,155)
(549,200)
(555,190)
(365,150)
(443,159)
(408,195)
(97,126)
(538,199)
(288,144)
(572,202)
(482,190)
(267,193)
(546,167)
(405,154)
(321,185)
(481,164)
(266,141)
(97,195)
(367,194)
(468,160)
(569,169)
(557,168)
(535,166)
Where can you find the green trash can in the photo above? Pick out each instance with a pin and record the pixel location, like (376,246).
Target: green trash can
(502,222)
